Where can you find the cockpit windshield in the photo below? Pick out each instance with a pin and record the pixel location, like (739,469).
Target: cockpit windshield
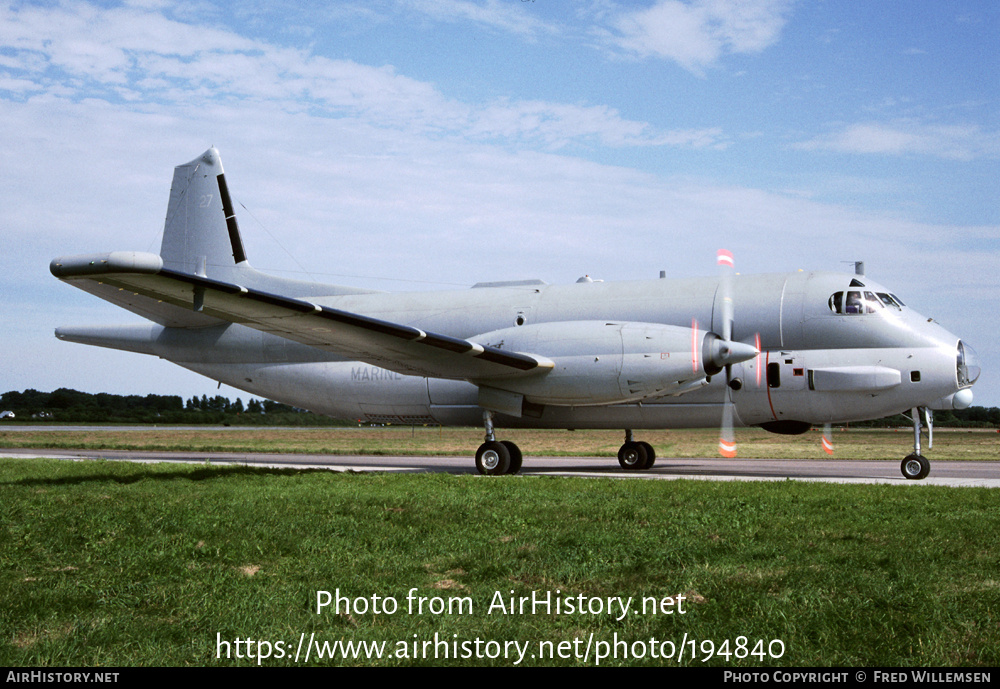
(860,302)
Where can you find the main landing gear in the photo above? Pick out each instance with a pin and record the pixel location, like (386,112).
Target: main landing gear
(497,457)
(636,455)
(915,466)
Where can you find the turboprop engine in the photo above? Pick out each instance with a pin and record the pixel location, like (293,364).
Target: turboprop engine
(606,362)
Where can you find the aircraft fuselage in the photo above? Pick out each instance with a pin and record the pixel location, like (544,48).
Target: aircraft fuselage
(816,365)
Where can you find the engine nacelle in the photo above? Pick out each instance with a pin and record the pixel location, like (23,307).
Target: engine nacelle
(603,362)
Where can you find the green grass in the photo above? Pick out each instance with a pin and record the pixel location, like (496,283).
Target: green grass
(105,563)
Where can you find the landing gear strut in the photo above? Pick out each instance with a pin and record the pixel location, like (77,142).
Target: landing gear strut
(497,457)
(635,455)
(915,466)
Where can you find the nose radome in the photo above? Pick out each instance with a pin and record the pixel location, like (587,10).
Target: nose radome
(968,365)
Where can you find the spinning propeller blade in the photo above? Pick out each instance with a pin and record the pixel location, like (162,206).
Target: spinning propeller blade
(757,363)
(727,438)
(726,352)
(828,439)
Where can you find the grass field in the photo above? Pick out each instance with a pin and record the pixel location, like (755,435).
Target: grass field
(106,563)
(753,442)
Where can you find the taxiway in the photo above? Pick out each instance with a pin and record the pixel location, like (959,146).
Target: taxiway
(943,473)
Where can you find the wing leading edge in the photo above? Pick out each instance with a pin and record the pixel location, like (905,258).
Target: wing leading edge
(393,346)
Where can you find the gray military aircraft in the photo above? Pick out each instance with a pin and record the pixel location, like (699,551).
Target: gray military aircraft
(781,351)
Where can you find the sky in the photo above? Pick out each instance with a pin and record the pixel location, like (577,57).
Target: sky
(431,144)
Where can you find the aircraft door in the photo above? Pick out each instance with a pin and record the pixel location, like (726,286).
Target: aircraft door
(750,392)
(773,387)
(785,380)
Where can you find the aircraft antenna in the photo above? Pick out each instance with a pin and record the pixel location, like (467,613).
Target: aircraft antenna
(859,266)
(277,241)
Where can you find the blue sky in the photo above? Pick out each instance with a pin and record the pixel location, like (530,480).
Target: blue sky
(420,144)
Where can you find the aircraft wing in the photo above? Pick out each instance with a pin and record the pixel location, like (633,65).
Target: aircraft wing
(393,346)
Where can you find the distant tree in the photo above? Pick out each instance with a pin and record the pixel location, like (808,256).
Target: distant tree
(979,414)
(61,399)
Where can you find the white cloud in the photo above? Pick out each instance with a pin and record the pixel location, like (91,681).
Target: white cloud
(141,56)
(555,125)
(508,17)
(954,142)
(696,34)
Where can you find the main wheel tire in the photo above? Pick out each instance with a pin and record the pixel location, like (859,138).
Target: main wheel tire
(650,454)
(492,458)
(915,467)
(515,456)
(632,456)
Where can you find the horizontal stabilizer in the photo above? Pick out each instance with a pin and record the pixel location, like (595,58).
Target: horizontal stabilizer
(129,338)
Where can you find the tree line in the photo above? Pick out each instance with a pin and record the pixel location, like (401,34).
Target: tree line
(973,417)
(73,406)
(65,405)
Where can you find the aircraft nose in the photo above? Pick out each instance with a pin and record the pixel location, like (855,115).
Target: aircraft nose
(968,365)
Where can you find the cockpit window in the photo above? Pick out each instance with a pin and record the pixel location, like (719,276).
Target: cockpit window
(872,303)
(852,304)
(836,302)
(890,301)
(858,302)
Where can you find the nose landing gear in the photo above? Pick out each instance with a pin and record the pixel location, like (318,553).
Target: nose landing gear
(915,466)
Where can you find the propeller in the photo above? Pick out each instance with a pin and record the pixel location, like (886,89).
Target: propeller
(731,352)
(727,436)
(717,351)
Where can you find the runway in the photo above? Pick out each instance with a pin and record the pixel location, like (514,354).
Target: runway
(943,473)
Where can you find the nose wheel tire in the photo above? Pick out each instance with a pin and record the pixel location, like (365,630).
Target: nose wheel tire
(915,467)
(493,458)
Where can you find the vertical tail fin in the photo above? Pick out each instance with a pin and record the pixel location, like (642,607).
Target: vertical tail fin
(200,235)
